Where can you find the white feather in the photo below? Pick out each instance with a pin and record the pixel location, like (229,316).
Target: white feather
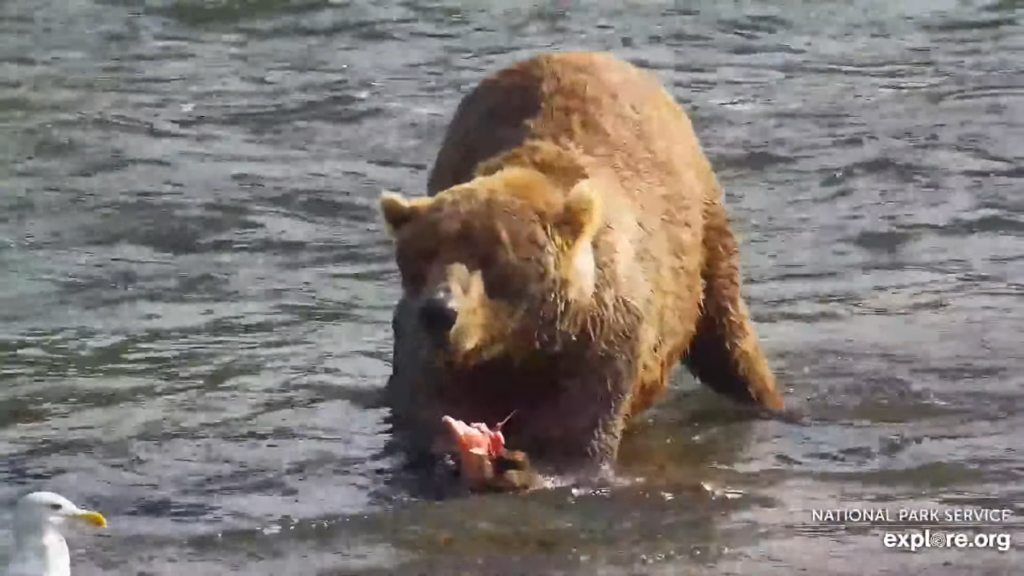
(39,547)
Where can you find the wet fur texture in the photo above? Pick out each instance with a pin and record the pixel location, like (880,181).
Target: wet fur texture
(579,228)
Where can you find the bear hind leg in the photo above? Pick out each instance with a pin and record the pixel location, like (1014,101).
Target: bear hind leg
(725,354)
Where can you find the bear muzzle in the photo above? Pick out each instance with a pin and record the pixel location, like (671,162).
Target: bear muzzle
(438,314)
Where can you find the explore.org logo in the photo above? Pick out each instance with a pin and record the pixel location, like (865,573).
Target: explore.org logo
(922,539)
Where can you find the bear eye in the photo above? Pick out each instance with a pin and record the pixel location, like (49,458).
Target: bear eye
(56,506)
(501,283)
(410,268)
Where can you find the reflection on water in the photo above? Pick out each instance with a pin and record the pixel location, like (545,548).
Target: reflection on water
(195,321)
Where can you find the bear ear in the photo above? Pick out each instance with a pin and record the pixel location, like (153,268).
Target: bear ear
(581,215)
(399,210)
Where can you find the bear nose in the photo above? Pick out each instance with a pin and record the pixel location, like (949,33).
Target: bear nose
(438,313)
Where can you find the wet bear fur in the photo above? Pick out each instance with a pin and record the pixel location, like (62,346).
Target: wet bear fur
(572,250)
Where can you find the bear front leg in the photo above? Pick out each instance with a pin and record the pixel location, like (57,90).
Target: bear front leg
(582,428)
(411,389)
(725,354)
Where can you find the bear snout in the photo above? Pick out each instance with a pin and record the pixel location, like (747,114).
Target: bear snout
(438,314)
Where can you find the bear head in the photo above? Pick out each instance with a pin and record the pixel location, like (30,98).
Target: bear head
(486,262)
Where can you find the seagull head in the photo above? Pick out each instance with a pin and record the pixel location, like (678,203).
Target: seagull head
(39,547)
(39,511)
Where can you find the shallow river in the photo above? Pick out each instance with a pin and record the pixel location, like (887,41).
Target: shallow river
(196,292)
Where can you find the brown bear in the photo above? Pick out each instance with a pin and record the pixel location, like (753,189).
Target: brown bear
(572,249)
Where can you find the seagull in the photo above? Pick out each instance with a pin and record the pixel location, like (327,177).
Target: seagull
(39,547)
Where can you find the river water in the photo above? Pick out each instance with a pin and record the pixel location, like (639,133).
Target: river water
(196,292)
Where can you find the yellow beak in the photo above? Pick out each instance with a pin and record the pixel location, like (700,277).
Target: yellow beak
(90,517)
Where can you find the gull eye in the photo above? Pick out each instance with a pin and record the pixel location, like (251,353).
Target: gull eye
(55,506)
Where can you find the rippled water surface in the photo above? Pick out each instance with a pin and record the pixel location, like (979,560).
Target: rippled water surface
(196,291)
